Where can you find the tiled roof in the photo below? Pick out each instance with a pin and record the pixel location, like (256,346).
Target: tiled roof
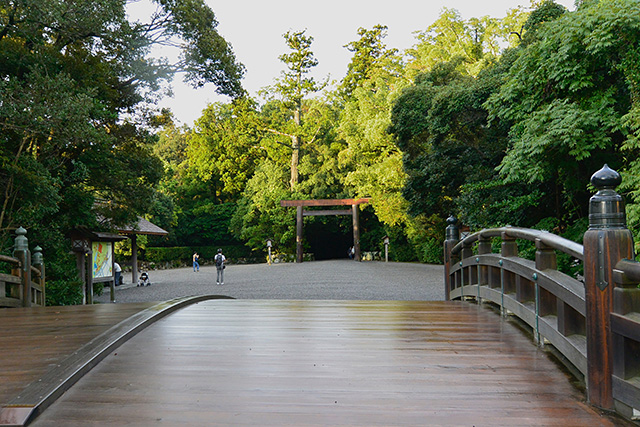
(143,227)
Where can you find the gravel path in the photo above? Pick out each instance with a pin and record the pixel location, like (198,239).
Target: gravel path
(318,280)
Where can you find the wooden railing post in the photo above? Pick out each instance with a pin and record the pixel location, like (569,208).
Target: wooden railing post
(509,246)
(451,239)
(606,242)
(545,257)
(484,247)
(38,262)
(21,251)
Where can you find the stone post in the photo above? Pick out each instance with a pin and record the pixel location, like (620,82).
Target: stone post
(606,242)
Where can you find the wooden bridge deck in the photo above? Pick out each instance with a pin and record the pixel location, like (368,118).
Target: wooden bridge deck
(32,340)
(239,362)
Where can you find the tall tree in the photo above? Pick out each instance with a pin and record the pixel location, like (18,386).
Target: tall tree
(372,160)
(293,86)
(73,76)
(206,57)
(441,126)
(371,59)
(476,42)
(224,146)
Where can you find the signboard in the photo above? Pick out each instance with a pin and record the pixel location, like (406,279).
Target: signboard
(102,259)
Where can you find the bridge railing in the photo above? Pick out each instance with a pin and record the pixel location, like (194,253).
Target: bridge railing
(549,301)
(625,330)
(594,322)
(25,286)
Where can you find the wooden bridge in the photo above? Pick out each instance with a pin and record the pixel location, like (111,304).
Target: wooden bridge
(466,361)
(240,362)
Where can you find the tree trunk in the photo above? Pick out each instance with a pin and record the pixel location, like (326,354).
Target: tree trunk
(295,146)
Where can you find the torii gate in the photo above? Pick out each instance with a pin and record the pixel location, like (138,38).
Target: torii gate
(301,204)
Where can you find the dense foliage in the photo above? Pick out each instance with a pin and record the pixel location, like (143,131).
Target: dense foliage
(496,121)
(76,85)
(516,143)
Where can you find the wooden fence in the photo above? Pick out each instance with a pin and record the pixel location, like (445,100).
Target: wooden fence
(592,320)
(25,286)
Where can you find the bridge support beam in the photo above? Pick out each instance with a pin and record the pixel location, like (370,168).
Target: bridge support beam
(605,243)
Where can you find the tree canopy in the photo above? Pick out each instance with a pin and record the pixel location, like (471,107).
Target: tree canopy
(499,121)
(75,85)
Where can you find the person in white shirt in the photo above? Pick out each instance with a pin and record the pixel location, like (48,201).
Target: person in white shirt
(220,260)
(118,271)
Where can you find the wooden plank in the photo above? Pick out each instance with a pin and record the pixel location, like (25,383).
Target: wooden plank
(9,278)
(240,362)
(627,326)
(10,302)
(41,393)
(324,202)
(34,339)
(627,391)
(328,212)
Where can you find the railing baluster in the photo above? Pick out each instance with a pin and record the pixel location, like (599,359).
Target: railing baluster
(546,302)
(484,247)
(467,276)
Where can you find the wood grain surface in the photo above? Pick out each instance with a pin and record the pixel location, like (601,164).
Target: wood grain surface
(257,362)
(34,340)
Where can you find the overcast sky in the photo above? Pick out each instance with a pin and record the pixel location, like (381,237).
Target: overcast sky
(255,28)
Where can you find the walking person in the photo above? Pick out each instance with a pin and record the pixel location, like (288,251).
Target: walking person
(196,266)
(220,260)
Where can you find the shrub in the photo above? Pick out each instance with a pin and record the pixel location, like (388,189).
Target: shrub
(181,255)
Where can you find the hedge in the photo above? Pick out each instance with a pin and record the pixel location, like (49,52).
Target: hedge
(183,254)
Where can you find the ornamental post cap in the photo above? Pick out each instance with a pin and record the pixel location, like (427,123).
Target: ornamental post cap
(36,259)
(606,178)
(21,243)
(606,207)
(452,232)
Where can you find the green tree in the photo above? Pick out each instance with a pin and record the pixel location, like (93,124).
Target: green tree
(293,86)
(73,80)
(371,59)
(473,44)
(205,57)
(224,146)
(259,215)
(570,99)
(441,126)
(371,162)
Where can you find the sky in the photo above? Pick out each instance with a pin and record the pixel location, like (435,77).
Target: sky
(254,28)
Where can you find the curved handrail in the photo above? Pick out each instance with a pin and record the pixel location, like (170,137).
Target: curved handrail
(5,258)
(11,260)
(630,269)
(552,303)
(36,271)
(567,246)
